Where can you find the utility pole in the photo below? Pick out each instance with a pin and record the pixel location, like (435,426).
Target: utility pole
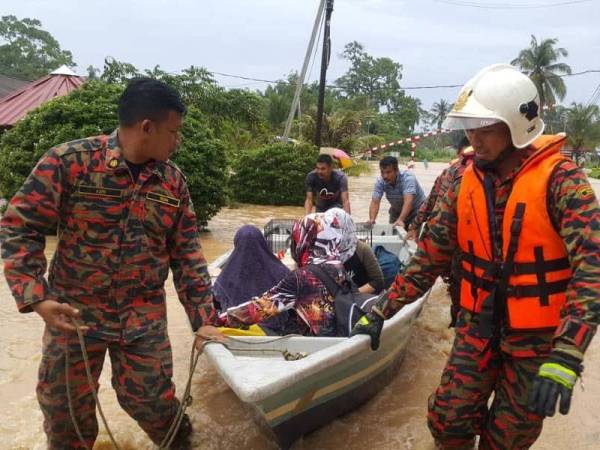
(300,83)
(324,63)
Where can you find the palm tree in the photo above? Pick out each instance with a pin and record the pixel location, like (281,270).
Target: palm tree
(583,128)
(540,63)
(439,111)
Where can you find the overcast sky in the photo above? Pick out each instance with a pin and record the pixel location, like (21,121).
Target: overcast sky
(436,42)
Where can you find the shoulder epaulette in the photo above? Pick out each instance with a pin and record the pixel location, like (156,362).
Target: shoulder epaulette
(171,164)
(90,144)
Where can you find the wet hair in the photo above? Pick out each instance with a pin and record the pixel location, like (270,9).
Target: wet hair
(147,98)
(389,161)
(325,159)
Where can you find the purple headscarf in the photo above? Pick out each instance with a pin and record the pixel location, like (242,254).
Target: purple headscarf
(250,271)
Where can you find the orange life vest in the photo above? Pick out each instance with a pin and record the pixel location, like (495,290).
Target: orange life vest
(534,269)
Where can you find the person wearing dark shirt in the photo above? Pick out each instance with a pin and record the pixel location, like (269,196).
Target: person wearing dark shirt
(326,188)
(364,270)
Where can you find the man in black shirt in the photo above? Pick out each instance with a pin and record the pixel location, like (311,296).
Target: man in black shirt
(326,188)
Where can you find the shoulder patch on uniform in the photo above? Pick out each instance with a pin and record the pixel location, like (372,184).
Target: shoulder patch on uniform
(164,199)
(585,192)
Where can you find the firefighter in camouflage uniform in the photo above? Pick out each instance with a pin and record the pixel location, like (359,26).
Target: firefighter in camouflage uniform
(123,215)
(527,224)
(419,227)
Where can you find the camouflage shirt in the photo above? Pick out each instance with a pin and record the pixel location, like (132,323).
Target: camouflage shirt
(116,240)
(573,208)
(440,185)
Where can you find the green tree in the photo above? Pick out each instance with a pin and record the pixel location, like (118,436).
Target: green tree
(203,160)
(92,72)
(541,63)
(28,51)
(555,119)
(583,128)
(336,128)
(278,99)
(439,111)
(273,174)
(235,116)
(376,78)
(115,71)
(88,111)
(92,110)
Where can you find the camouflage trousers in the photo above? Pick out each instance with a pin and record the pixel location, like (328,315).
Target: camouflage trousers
(141,377)
(476,369)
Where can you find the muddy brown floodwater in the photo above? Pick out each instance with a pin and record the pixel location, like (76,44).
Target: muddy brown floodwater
(394,419)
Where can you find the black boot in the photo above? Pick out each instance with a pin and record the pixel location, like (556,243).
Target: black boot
(183,438)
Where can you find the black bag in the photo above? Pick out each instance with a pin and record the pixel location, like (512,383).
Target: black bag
(350,305)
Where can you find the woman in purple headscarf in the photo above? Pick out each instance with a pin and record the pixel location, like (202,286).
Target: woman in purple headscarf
(250,270)
(326,239)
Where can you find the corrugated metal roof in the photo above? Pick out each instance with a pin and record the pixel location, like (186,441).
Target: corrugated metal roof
(9,85)
(16,105)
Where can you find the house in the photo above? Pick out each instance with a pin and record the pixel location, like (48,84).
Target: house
(9,85)
(17,104)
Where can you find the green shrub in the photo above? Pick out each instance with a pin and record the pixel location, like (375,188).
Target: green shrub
(92,110)
(273,175)
(89,111)
(434,154)
(595,173)
(203,160)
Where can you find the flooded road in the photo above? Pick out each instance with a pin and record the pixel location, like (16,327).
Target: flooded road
(394,419)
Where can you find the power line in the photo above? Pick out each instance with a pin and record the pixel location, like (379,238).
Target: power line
(471,4)
(314,56)
(437,86)
(595,97)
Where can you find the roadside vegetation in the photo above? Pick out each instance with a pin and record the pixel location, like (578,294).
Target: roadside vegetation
(230,152)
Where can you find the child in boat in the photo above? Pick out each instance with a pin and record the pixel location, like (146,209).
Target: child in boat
(327,239)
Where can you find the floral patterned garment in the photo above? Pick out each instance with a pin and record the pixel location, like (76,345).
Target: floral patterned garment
(327,239)
(301,291)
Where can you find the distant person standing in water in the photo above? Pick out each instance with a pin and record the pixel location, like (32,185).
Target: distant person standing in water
(326,188)
(401,189)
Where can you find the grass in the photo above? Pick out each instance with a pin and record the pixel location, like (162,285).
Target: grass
(357,169)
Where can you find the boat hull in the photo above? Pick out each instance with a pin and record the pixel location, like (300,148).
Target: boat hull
(295,426)
(293,398)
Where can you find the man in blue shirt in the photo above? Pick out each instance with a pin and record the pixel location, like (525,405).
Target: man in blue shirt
(401,189)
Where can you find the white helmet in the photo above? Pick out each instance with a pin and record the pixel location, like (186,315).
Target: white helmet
(499,93)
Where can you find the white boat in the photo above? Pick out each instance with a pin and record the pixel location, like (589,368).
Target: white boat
(295,397)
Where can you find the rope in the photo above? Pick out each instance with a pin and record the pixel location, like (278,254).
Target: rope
(88,373)
(186,399)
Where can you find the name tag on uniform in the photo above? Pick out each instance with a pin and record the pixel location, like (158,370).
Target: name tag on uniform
(95,191)
(164,199)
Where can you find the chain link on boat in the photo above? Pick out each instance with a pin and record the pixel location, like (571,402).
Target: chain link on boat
(287,355)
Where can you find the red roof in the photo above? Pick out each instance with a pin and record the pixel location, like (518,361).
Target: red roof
(17,104)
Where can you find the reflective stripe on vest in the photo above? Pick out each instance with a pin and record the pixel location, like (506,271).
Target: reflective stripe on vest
(540,272)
